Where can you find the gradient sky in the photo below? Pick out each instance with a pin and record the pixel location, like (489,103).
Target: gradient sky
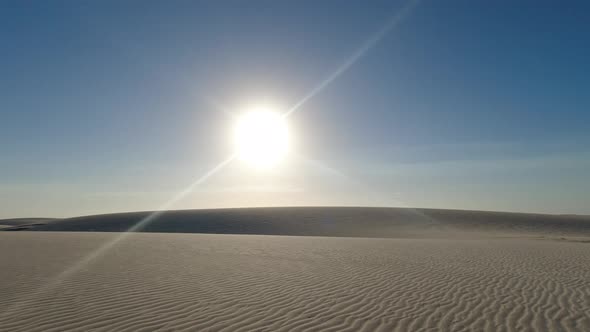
(110,106)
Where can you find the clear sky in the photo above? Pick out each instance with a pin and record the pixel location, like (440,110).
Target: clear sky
(110,106)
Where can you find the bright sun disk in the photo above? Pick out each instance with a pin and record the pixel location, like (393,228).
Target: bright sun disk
(261,138)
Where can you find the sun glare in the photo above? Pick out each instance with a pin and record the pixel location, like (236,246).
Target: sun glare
(261,138)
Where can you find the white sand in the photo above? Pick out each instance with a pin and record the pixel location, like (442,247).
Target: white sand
(198,282)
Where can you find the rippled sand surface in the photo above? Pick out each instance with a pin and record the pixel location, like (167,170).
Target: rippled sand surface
(52,281)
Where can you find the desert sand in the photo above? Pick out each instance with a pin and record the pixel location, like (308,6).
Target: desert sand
(331,269)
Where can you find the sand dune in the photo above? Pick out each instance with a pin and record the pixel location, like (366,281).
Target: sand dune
(204,282)
(332,221)
(380,270)
(23,223)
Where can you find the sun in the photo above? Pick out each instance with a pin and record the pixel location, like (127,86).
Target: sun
(261,137)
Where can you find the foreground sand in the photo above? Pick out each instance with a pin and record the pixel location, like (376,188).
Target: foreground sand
(52,281)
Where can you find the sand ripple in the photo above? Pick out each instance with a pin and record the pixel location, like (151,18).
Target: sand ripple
(193,282)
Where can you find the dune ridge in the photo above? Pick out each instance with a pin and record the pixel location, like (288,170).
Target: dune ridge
(23,223)
(331,221)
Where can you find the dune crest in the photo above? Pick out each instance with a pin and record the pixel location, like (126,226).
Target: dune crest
(331,221)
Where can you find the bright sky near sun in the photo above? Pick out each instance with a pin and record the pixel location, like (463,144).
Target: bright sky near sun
(110,106)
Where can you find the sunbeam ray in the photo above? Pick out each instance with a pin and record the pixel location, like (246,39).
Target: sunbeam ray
(86,260)
(103,249)
(365,47)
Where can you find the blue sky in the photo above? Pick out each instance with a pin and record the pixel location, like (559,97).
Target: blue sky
(116,106)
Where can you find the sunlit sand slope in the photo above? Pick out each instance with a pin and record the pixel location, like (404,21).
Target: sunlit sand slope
(204,282)
(330,221)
